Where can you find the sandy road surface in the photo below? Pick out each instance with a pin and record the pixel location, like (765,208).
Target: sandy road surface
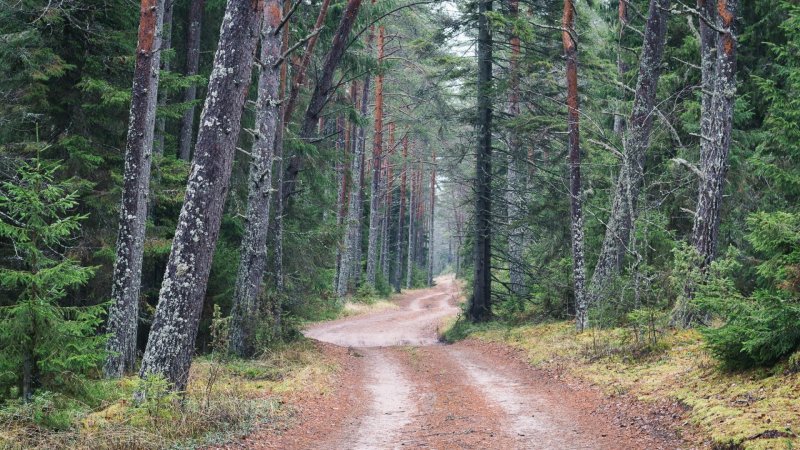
(402,389)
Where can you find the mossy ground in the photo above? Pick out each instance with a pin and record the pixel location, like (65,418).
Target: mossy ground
(224,399)
(756,409)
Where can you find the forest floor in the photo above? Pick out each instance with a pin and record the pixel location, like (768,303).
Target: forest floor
(399,387)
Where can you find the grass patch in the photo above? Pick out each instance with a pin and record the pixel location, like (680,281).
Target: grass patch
(223,400)
(754,409)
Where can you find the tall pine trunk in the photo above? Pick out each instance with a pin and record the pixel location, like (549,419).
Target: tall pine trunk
(277,269)
(635,142)
(377,166)
(166,44)
(351,243)
(171,343)
(253,253)
(412,201)
(398,268)
(192,66)
(387,208)
(517,172)
(622,66)
(431,241)
(126,283)
(716,123)
(342,180)
(479,308)
(573,124)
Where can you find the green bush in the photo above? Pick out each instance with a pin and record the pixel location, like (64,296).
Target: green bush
(760,328)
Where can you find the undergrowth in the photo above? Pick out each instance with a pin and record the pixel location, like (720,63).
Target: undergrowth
(224,399)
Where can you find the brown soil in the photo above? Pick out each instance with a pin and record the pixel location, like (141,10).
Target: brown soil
(400,388)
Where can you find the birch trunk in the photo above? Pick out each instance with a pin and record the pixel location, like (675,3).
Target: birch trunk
(635,142)
(126,283)
(192,66)
(479,308)
(166,44)
(573,122)
(171,343)
(253,254)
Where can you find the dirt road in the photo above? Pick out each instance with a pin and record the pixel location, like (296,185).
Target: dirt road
(401,388)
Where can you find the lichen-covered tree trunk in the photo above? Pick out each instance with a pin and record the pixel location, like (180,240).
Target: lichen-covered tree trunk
(431,241)
(573,126)
(479,308)
(398,268)
(516,175)
(377,167)
(166,44)
(387,208)
(352,236)
(411,226)
(192,66)
(277,267)
(126,283)
(171,343)
(715,146)
(253,252)
(635,143)
(342,180)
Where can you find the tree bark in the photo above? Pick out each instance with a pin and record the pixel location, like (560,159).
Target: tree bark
(166,44)
(253,254)
(342,179)
(377,167)
(192,66)
(575,190)
(123,315)
(430,227)
(349,262)
(480,304)
(716,124)
(411,225)
(517,170)
(171,343)
(387,208)
(398,268)
(635,142)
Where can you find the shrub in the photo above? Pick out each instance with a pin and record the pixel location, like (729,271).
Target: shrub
(761,328)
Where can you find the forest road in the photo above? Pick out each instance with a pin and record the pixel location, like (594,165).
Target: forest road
(415,392)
